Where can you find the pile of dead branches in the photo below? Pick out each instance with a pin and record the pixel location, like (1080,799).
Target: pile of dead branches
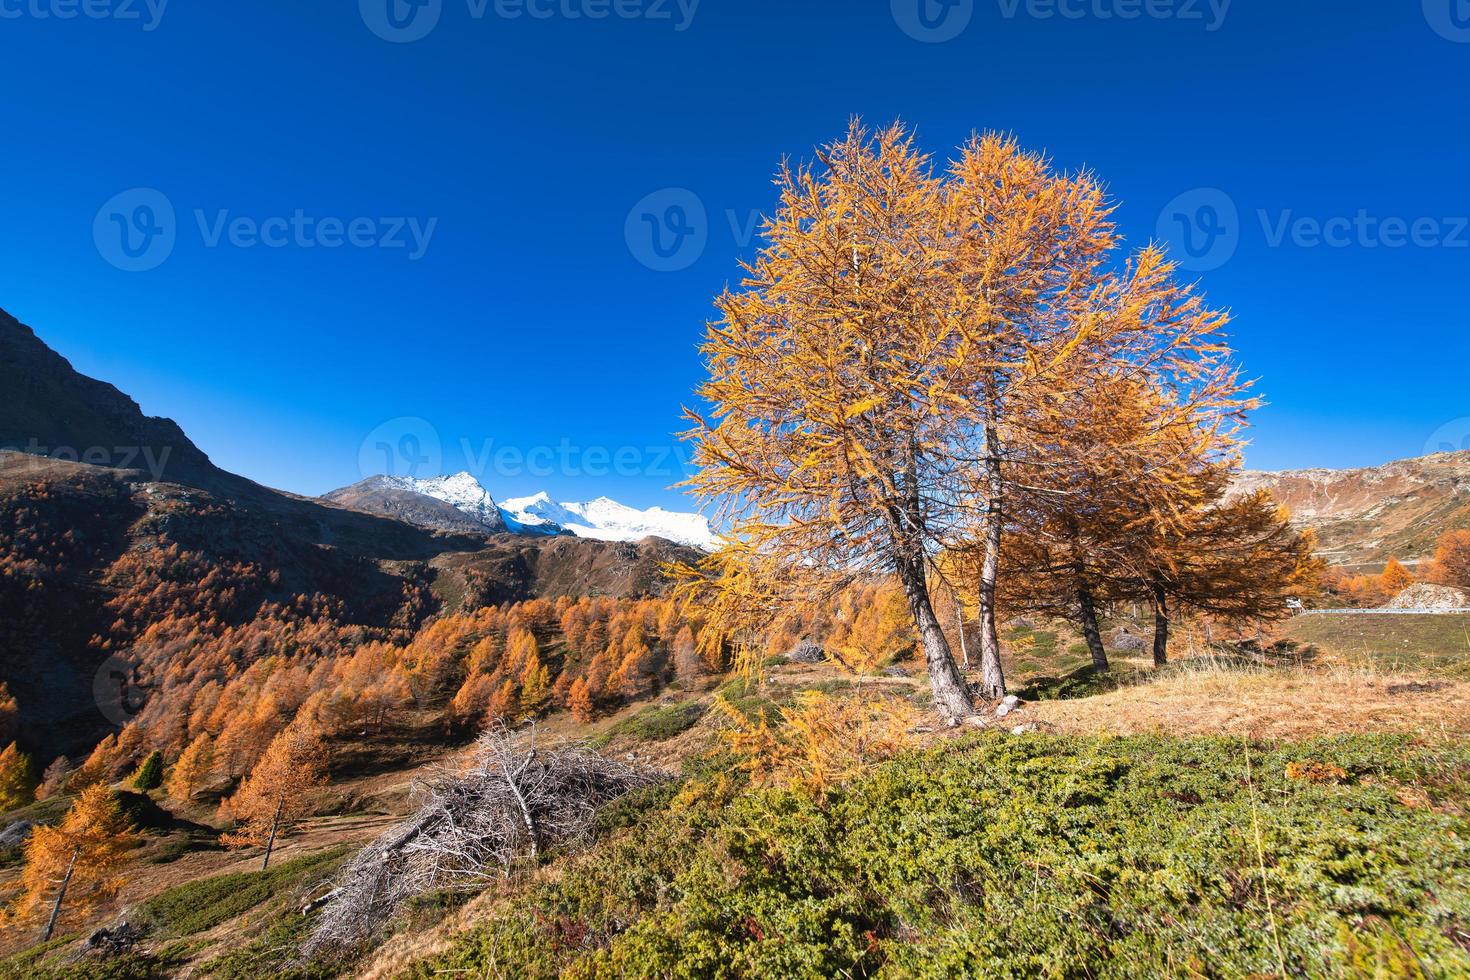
(508,804)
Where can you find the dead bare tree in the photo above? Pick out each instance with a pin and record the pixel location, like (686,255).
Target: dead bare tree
(512,800)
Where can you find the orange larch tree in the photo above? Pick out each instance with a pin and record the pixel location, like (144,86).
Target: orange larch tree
(1395,578)
(833,386)
(192,769)
(279,790)
(1452,560)
(76,860)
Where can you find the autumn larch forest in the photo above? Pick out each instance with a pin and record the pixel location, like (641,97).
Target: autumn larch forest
(995,659)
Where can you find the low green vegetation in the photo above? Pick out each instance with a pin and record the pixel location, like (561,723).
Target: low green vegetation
(128,966)
(273,954)
(1032,856)
(660,722)
(1084,682)
(204,904)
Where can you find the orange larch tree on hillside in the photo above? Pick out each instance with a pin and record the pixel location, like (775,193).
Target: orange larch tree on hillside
(1395,578)
(192,769)
(17,779)
(278,791)
(833,388)
(1452,560)
(77,860)
(898,349)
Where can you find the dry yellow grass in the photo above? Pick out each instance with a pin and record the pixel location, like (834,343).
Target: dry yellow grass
(1267,703)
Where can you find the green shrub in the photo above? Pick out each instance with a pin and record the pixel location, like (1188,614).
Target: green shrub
(149,775)
(1035,856)
(658,723)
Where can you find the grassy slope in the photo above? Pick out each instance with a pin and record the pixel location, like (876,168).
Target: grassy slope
(226,923)
(1440,644)
(185,921)
(1038,856)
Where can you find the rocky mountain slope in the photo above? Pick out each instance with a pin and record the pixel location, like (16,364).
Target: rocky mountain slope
(93,552)
(1365,516)
(454,504)
(48,409)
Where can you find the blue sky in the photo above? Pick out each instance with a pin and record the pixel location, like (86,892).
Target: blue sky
(456,261)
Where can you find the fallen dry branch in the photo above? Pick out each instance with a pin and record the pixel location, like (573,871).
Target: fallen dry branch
(511,801)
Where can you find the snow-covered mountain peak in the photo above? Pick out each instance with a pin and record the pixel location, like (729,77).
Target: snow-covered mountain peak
(461,491)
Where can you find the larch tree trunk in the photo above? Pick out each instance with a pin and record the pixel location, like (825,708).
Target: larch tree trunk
(1090,630)
(951,693)
(1161,626)
(270,843)
(71,866)
(992,675)
(959,620)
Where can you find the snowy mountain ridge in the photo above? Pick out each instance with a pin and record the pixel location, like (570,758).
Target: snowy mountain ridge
(607,520)
(602,519)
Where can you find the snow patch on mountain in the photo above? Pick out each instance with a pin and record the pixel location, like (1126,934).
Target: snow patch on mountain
(602,519)
(460,491)
(605,519)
